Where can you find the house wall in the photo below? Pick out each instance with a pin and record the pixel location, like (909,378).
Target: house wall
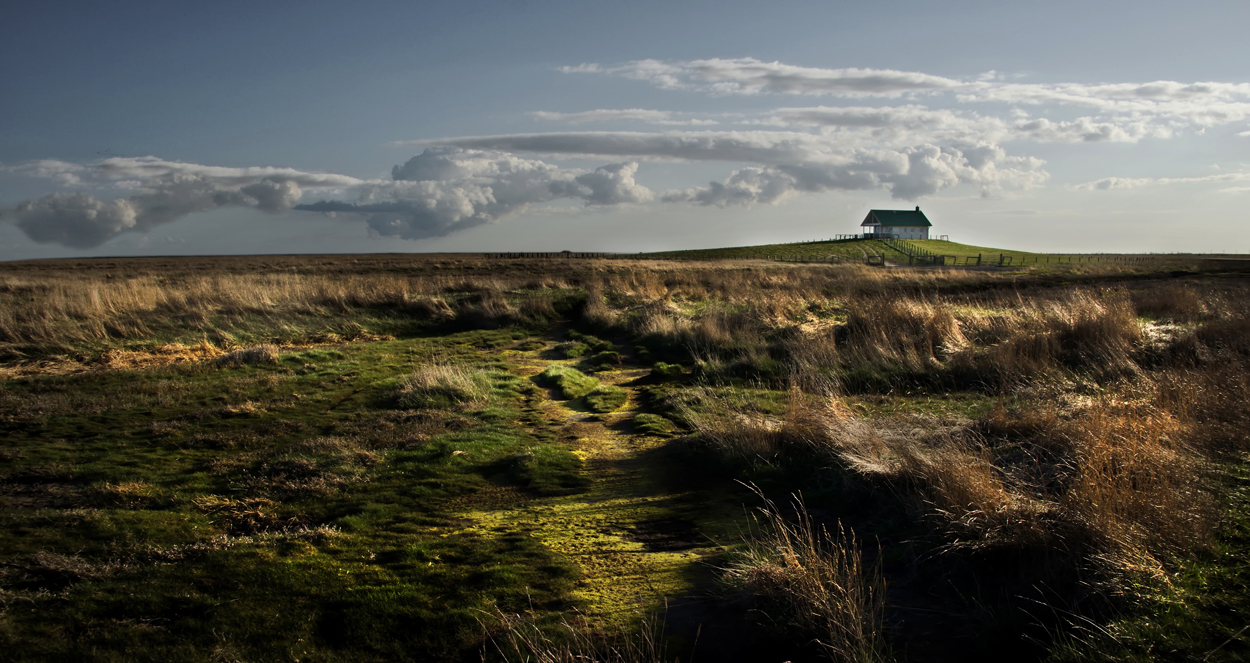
(906,232)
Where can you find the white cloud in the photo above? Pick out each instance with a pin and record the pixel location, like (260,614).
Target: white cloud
(1200,103)
(619,114)
(445,190)
(1108,183)
(1089,130)
(75,220)
(750,146)
(789,162)
(438,192)
(160,192)
(751,76)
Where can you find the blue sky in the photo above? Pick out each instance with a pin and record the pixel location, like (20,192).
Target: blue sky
(153,128)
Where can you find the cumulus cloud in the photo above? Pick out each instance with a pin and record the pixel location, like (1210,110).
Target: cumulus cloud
(440,191)
(449,189)
(160,192)
(75,220)
(908,174)
(786,162)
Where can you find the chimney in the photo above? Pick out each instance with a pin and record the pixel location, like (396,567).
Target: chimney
(917,208)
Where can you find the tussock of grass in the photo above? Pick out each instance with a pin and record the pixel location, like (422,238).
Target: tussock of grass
(571,382)
(441,386)
(663,369)
(257,355)
(573,349)
(812,584)
(606,398)
(652,424)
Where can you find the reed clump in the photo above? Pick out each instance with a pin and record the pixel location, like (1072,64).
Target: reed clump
(811,583)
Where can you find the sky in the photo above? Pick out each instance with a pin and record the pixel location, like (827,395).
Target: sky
(146,128)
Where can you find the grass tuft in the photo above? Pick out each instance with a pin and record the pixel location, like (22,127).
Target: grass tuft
(571,382)
(257,355)
(441,386)
(811,583)
(606,398)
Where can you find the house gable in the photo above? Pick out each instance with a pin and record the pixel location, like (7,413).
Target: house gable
(897,218)
(902,224)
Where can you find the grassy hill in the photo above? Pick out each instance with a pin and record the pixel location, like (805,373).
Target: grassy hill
(859,250)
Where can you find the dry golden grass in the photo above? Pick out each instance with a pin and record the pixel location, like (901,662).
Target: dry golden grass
(810,582)
(519,639)
(1137,489)
(441,385)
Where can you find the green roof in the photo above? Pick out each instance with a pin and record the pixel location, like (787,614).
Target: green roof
(896,217)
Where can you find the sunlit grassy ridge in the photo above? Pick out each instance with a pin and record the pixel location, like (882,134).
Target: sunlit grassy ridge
(860,250)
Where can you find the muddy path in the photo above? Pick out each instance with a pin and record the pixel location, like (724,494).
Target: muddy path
(643,531)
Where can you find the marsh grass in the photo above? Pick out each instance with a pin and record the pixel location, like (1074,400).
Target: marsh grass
(994,430)
(810,583)
(442,385)
(521,639)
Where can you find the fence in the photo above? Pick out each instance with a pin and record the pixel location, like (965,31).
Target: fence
(557,254)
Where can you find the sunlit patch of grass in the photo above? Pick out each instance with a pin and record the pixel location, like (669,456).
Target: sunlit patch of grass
(441,385)
(571,382)
(606,398)
(652,424)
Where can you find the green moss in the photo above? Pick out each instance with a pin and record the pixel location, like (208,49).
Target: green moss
(663,369)
(571,382)
(547,470)
(652,424)
(606,398)
(572,350)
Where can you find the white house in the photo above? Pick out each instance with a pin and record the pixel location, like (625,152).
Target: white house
(897,224)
